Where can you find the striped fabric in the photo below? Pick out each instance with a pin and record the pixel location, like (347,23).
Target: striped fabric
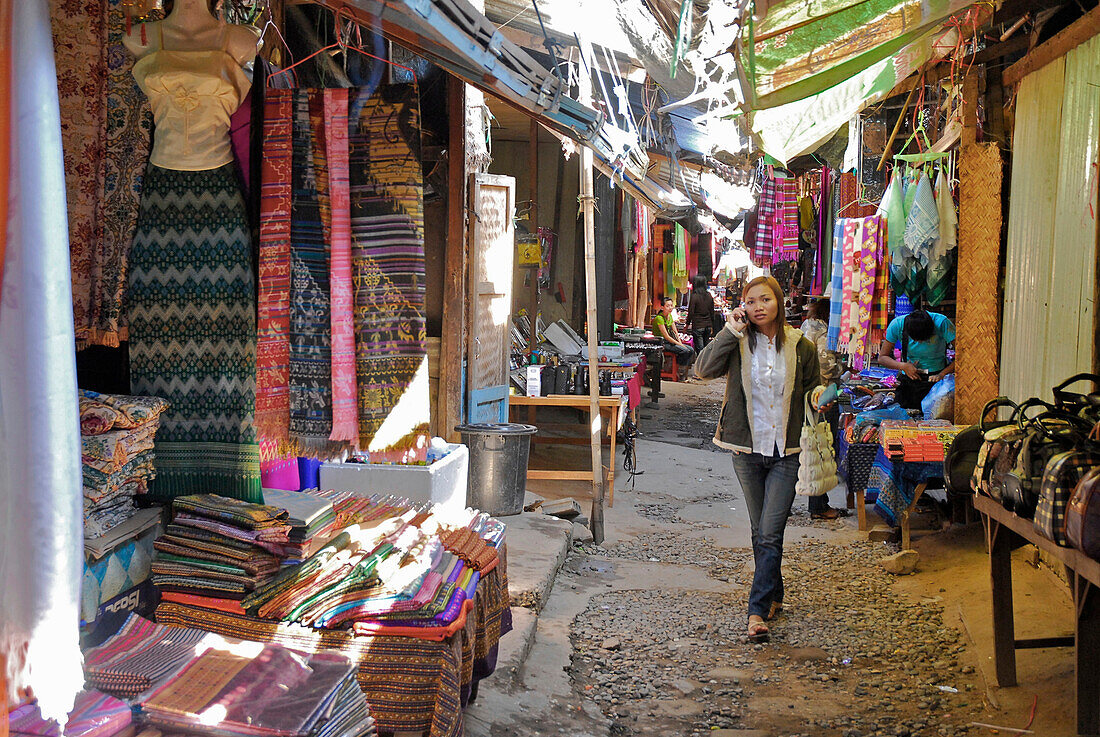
(94,715)
(786,228)
(310,326)
(139,655)
(345,417)
(193,331)
(387,225)
(273,347)
(763,246)
(836,287)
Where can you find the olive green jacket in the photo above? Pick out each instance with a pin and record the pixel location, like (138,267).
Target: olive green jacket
(723,357)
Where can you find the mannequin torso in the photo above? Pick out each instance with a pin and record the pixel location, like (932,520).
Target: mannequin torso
(191,27)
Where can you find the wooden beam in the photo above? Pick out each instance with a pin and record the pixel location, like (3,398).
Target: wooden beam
(454,272)
(1077,33)
(533,219)
(970,109)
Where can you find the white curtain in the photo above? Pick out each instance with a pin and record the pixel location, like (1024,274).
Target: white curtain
(41,532)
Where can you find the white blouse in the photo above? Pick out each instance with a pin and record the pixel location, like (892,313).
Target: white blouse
(769,372)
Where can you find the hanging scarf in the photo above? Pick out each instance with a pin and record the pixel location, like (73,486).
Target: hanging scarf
(763,245)
(785,230)
(387,220)
(679,265)
(345,417)
(892,209)
(940,260)
(852,230)
(310,323)
(869,243)
(273,325)
(836,286)
(922,228)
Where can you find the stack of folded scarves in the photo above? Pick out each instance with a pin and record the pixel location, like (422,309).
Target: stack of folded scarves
(117,434)
(182,678)
(312,519)
(94,715)
(218,550)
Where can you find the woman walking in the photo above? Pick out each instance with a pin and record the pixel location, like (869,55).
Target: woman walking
(700,316)
(769,368)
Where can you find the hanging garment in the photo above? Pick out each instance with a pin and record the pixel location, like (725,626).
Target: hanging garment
(851,274)
(892,210)
(836,286)
(870,242)
(387,221)
(679,262)
(337,223)
(192,331)
(273,326)
(922,228)
(763,246)
(786,229)
(941,258)
(310,314)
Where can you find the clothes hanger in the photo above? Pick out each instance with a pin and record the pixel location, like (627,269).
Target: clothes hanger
(924,156)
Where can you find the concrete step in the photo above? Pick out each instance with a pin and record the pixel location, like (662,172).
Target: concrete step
(515,647)
(537,546)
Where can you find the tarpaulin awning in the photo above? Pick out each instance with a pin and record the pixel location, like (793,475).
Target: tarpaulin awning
(804,47)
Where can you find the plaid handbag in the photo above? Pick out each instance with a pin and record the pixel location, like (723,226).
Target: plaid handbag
(1060,477)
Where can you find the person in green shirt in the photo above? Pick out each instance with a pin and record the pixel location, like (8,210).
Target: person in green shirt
(924,338)
(664,326)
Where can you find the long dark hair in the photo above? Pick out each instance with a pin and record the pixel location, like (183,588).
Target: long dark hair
(699,283)
(780,314)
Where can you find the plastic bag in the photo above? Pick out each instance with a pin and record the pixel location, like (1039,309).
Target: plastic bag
(939,404)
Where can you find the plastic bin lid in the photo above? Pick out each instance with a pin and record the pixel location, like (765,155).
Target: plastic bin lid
(497,428)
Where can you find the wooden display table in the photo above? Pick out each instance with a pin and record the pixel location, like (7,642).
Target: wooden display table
(1004,531)
(612,410)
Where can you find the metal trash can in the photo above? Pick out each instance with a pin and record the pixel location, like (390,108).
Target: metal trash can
(498,465)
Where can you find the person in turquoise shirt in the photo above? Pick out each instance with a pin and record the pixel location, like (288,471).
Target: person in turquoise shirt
(923,357)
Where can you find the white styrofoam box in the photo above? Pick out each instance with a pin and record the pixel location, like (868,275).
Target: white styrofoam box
(442,482)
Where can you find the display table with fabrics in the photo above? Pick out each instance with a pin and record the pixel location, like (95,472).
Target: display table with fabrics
(854,466)
(898,486)
(415,595)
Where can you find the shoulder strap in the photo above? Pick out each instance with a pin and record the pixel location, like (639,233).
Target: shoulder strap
(905,338)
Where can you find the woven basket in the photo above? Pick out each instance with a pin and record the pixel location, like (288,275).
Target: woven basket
(978,315)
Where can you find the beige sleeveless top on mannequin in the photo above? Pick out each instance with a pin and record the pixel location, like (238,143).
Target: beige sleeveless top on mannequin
(192,94)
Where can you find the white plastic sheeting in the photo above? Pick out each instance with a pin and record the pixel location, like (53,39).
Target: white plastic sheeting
(1051,260)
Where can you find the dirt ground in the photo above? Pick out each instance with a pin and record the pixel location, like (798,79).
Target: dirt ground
(644,635)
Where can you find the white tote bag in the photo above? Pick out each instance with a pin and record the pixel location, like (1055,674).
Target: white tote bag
(817,465)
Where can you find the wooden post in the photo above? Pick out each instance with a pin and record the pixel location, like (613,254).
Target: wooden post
(452,343)
(970,108)
(587,198)
(1000,574)
(533,219)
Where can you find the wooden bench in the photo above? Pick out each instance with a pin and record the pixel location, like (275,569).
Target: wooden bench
(1004,531)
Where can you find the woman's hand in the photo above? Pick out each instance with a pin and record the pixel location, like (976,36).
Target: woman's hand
(739,320)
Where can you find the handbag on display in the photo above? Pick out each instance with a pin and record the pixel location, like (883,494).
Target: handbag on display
(1061,476)
(1071,401)
(962,455)
(1083,515)
(817,464)
(1047,435)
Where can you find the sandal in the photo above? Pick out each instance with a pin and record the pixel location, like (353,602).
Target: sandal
(776,610)
(758,631)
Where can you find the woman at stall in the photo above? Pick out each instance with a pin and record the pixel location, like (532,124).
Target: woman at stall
(924,337)
(700,316)
(769,368)
(664,325)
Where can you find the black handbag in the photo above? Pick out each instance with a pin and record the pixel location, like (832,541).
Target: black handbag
(1046,435)
(962,455)
(1072,401)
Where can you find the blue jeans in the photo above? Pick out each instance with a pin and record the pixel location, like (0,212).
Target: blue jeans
(768,483)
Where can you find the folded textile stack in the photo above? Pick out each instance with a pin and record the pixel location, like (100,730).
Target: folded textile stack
(117,434)
(180,676)
(218,550)
(235,688)
(312,519)
(396,567)
(94,715)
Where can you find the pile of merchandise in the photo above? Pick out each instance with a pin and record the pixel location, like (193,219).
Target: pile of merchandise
(94,715)
(117,434)
(218,550)
(312,521)
(186,680)
(918,441)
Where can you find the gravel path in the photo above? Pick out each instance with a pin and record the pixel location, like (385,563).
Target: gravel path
(849,656)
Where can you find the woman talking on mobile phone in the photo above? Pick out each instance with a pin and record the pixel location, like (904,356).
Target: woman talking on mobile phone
(769,368)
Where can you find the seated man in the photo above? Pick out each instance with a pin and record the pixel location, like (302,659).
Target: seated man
(664,326)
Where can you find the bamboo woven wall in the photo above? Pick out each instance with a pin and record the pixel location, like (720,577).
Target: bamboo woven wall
(978,315)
